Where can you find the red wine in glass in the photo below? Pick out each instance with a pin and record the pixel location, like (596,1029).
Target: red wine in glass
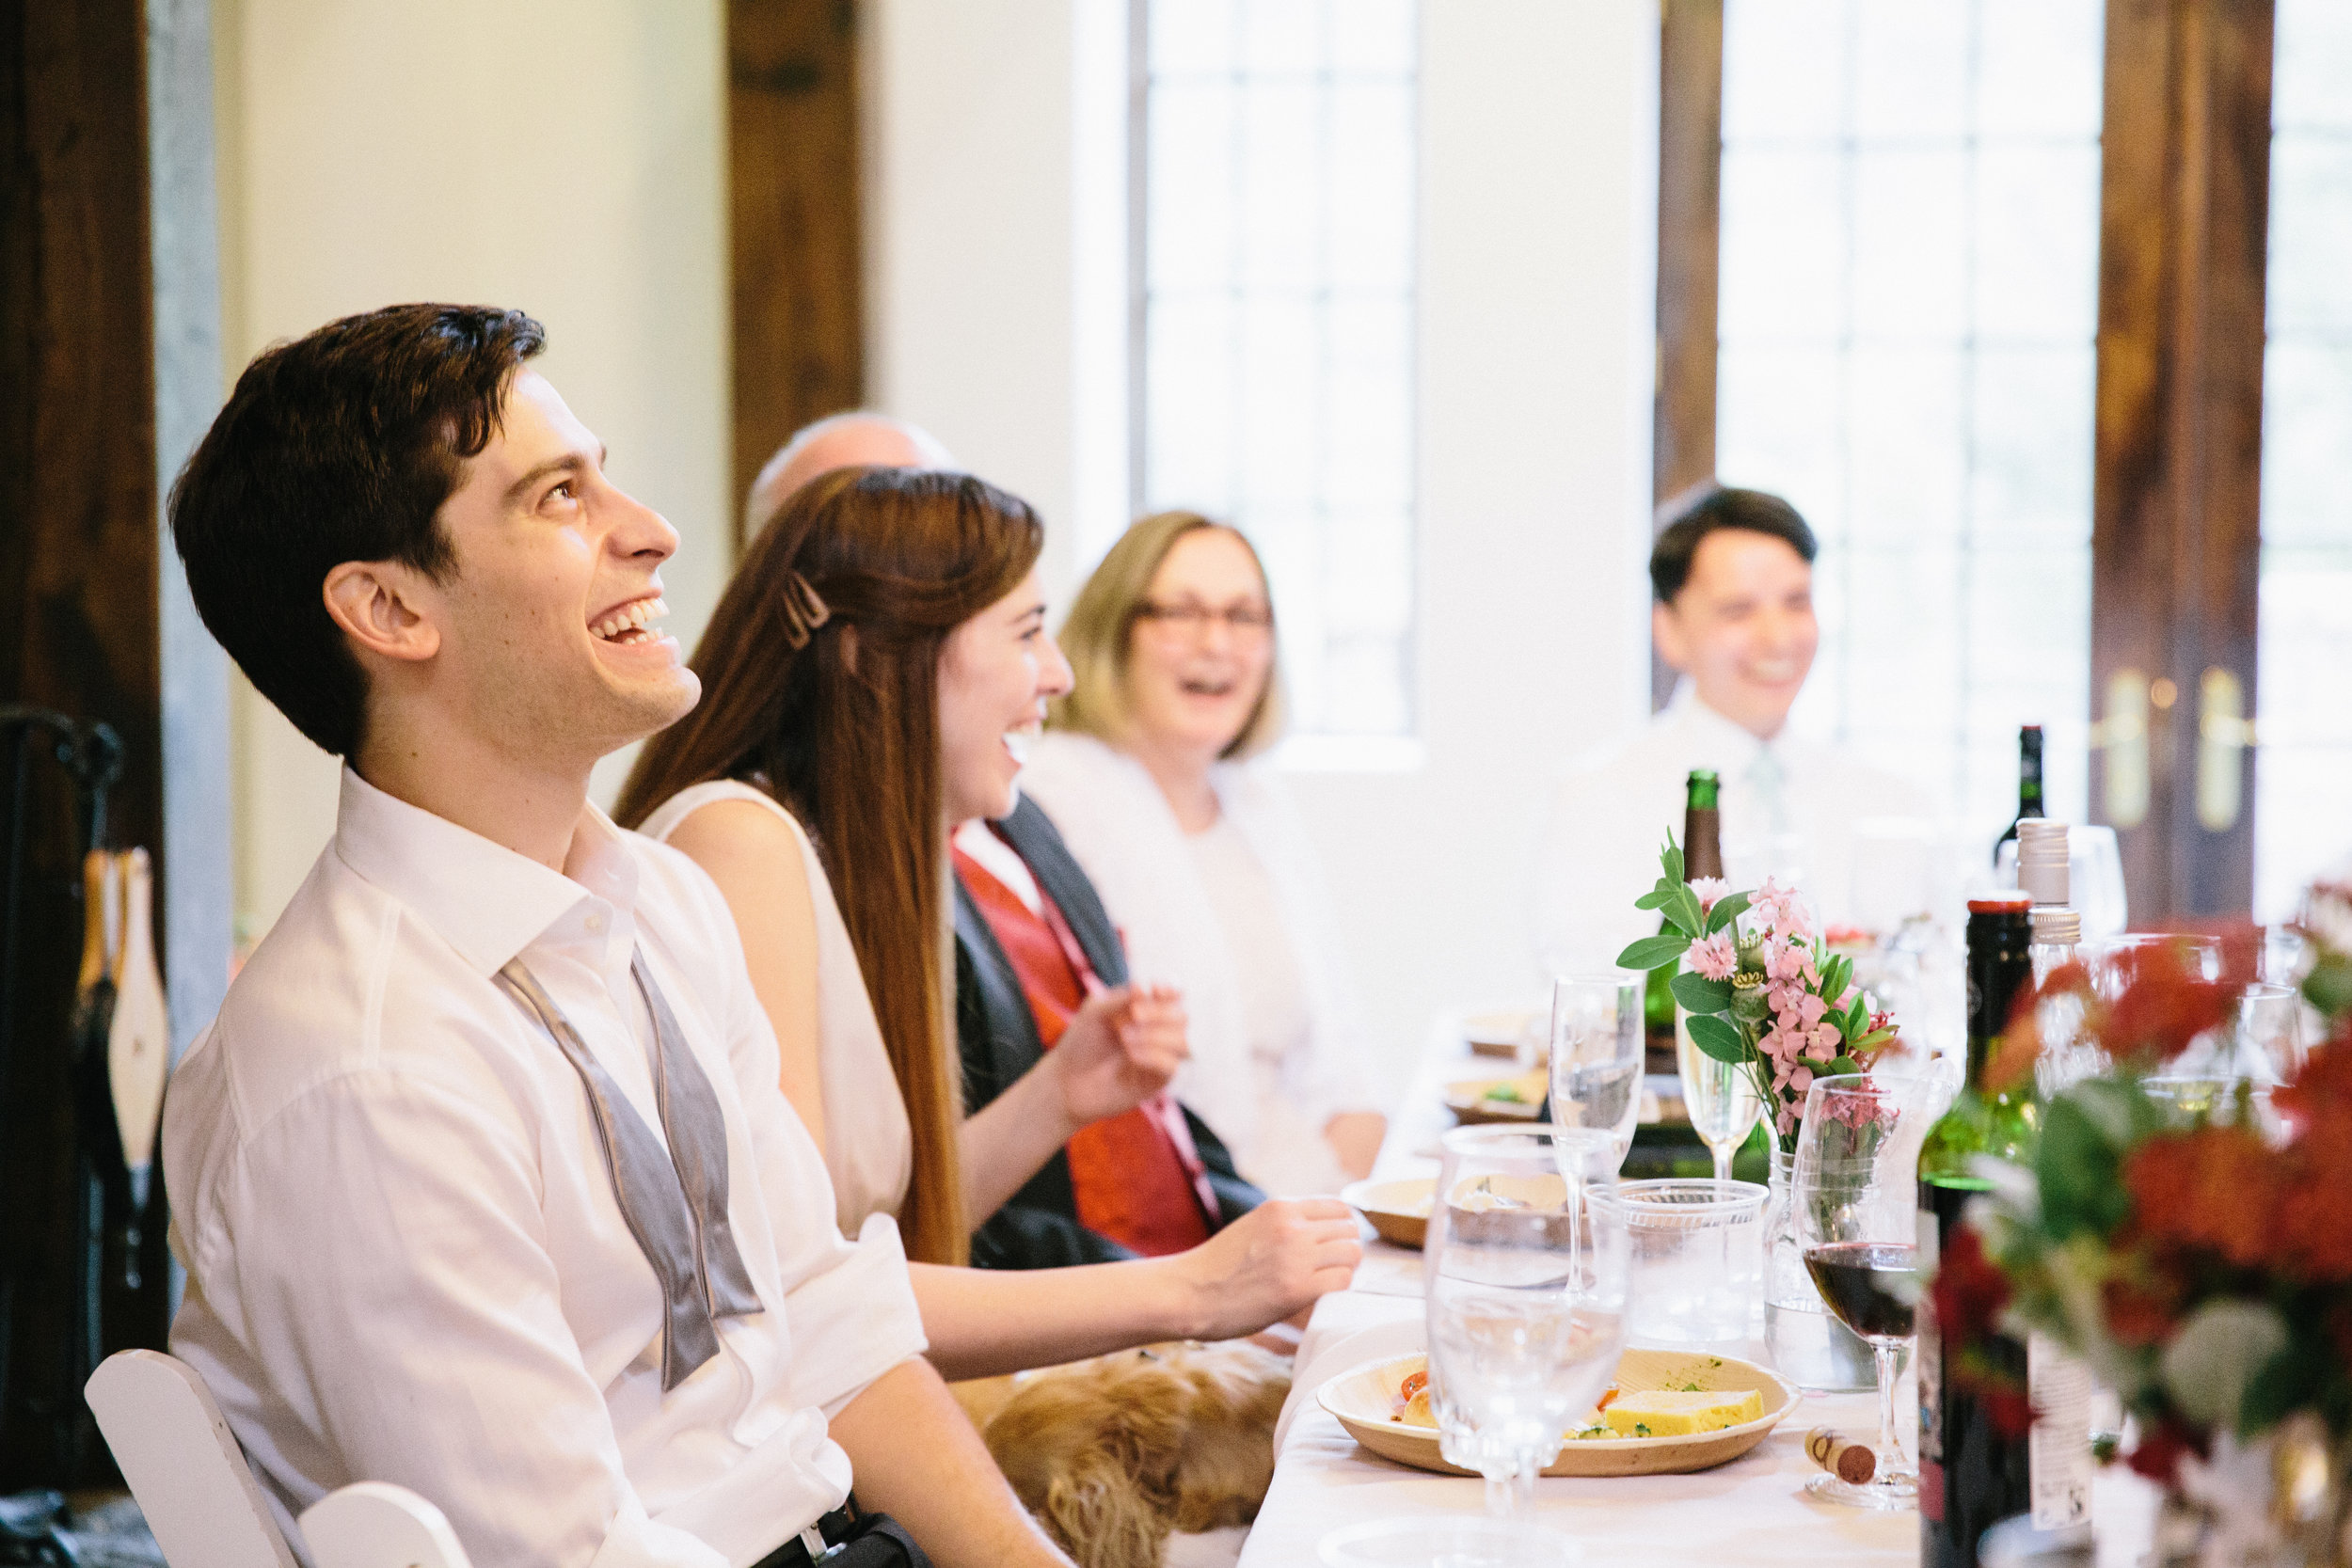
(1872,1285)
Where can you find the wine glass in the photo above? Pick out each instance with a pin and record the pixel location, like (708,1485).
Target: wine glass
(1597,1055)
(1853,1188)
(1525,1289)
(2268,1030)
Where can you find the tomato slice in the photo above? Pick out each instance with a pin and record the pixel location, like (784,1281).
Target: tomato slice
(1413,1385)
(1607,1397)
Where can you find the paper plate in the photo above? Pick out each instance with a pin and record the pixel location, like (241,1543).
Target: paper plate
(1363,1398)
(1468,1099)
(1498,1034)
(1399,1211)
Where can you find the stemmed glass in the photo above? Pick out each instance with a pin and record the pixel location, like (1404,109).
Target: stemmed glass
(1597,1055)
(1525,1286)
(1852,1187)
(1720,1097)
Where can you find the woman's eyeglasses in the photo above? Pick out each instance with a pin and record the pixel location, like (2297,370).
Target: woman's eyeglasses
(1242,620)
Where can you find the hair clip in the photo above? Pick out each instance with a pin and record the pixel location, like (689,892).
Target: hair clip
(803,611)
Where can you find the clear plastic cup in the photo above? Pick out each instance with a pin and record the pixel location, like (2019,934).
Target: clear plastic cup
(1697,1257)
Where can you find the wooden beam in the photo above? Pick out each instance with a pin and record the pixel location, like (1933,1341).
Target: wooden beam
(1690,242)
(2176,548)
(798,295)
(78,581)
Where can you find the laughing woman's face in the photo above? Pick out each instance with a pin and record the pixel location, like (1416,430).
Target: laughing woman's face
(997,672)
(1202,647)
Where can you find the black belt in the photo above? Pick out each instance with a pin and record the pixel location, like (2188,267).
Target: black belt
(833,1528)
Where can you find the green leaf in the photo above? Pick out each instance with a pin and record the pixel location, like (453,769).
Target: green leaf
(1696,993)
(1671,859)
(1654,952)
(2329,985)
(1837,1066)
(1655,898)
(1857,1018)
(1835,974)
(2082,1189)
(2282,1387)
(1718,1038)
(1685,912)
(1727,908)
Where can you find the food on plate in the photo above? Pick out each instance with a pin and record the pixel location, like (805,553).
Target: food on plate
(1678,1413)
(1413,1402)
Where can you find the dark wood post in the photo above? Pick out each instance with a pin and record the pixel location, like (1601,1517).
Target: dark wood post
(2176,536)
(792,151)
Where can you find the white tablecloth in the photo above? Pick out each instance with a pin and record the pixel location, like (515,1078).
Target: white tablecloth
(1752,1511)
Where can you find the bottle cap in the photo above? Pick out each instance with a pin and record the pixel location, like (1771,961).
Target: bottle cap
(2041,861)
(2001,903)
(2056,927)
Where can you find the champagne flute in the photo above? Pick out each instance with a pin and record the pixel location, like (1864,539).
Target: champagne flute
(1597,1055)
(1525,1289)
(1853,1189)
(1720,1097)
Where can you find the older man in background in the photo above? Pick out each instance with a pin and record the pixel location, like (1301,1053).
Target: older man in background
(858,438)
(1732,579)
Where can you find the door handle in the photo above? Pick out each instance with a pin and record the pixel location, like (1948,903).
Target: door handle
(2223,733)
(2122,735)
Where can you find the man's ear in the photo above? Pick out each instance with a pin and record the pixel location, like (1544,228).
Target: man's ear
(378,604)
(1673,642)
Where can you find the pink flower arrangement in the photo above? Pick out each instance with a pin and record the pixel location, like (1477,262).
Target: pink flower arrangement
(1762,987)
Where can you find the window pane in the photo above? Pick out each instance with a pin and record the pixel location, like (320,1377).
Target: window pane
(1909,286)
(1278,322)
(2303,687)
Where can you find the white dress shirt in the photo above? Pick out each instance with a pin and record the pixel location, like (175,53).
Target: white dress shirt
(405,1262)
(1789,808)
(869,1146)
(1277,1042)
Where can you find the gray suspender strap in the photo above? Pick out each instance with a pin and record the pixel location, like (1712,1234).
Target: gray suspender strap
(675,1203)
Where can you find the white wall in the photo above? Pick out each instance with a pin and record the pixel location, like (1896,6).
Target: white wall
(566,158)
(996,130)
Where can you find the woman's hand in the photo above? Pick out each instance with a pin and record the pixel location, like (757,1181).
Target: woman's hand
(1121,1048)
(1277,1260)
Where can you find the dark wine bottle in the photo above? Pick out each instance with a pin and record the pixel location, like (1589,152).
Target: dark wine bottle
(1971,1474)
(1702,856)
(2028,784)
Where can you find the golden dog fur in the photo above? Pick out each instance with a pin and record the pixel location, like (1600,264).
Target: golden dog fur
(1114,1454)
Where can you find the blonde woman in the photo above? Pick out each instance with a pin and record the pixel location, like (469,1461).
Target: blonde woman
(1148,771)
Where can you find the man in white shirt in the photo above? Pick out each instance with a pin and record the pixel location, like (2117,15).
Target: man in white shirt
(482,1178)
(1732,576)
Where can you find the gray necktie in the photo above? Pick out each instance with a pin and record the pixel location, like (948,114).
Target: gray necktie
(675,1203)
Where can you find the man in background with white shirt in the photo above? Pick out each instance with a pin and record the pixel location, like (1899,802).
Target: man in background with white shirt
(1732,612)
(482,1178)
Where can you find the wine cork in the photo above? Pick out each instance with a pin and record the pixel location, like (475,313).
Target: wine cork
(1851,1462)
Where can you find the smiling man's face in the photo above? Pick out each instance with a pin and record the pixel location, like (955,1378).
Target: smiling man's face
(1742,628)
(549,635)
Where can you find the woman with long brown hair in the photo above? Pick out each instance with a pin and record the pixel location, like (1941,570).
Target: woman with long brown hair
(880,639)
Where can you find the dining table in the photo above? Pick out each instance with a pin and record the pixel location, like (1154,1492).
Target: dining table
(1753,1510)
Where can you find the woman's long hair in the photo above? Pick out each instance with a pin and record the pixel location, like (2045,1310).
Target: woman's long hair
(820,685)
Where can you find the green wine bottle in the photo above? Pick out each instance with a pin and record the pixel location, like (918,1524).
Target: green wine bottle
(1702,856)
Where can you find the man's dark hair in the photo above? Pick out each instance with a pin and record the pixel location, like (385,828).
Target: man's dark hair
(1693,516)
(340,445)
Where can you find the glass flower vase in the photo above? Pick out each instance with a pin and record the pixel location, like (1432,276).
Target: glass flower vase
(1808,1346)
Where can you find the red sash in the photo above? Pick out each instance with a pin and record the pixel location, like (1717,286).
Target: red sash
(1137,1177)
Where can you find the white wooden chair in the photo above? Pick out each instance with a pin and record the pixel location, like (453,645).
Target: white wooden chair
(191,1481)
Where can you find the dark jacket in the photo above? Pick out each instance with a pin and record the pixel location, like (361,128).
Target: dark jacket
(1038,1228)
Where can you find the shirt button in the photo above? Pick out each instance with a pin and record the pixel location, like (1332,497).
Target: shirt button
(596,922)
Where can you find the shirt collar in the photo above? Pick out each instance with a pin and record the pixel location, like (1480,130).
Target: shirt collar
(1718,742)
(487,902)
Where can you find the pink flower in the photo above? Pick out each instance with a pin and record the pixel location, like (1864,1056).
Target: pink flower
(1801,1078)
(1786,1121)
(1810,1008)
(1716,958)
(1826,1041)
(1785,960)
(1710,889)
